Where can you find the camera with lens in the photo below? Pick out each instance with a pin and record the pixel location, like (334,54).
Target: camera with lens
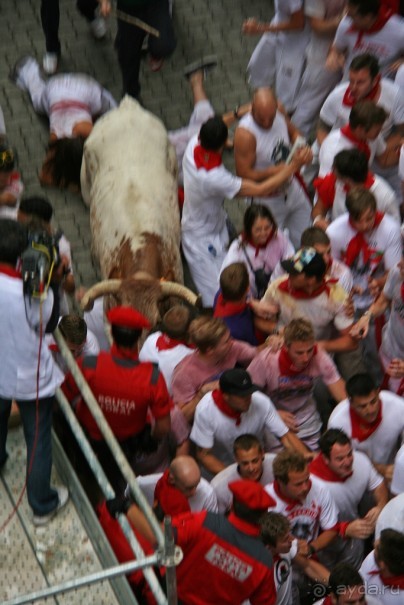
(38,262)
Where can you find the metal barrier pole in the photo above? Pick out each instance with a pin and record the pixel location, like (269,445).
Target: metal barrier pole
(93,578)
(171,559)
(109,493)
(109,437)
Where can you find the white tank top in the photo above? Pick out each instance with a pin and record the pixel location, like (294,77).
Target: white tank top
(273,145)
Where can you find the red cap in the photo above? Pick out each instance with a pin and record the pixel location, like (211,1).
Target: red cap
(251,494)
(127,317)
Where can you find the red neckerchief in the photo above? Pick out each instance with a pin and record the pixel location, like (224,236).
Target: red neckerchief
(350,101)
(204,158)
(291,502)
(286,367)
(225,308)
(247,528)
(116,351)
(358,244)
(359,144)
(383,16)
(54,348)
(400,390)
(325,187)
(327,600)
(220,403)
(320,468)
(8,270)
(165,343)
(392,581)
(260,246)
(360,429)
(285,286)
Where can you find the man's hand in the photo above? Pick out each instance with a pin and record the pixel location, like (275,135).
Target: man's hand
(105,7)
(303,548)
(289,419)
(209,386)
(373,514)
(265,309)
(321,223)
(361,328)
(302,157)
(335,60)
(274,342)
(396,368)
(360,528)
(252,27)
(374,288)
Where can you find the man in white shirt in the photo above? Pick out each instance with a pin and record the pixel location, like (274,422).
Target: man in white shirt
(305,501)
(233,409)
(346,587)
(262,144)
(397,482)
(350,169)
(369,26)
(373,420)
(362,132)
(185,475)
(251,464)
(207,183)
(348,475)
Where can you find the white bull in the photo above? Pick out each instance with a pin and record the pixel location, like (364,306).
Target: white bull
(129,182)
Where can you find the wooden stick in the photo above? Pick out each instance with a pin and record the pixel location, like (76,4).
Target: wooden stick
(135,21)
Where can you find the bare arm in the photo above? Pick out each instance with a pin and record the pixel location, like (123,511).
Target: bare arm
(361,328)
(188,408)
(323,130)
(245,157)
(342,344)
(313,569)
(337,390)
(318,214)
(295,23)
(381,496)
(292,442)
(325,27)
(209,461)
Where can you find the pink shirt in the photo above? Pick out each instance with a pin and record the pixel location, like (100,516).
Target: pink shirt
(192,372)
(294,393)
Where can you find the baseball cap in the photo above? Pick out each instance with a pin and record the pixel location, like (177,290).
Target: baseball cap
(306,260)
(127,317)
(237,382)
(251,494)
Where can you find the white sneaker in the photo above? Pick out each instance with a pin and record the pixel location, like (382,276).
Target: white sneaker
(50,63)
(63,494)
(98,27)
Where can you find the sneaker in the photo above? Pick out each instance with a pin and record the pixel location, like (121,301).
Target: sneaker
(15,71)
(98,27)
(204,64)
(50,63)
(63,494)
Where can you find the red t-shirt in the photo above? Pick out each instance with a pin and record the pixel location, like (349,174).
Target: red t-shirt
(125,390)
(224,561)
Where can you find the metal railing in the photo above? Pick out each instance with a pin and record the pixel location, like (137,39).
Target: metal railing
(167,553)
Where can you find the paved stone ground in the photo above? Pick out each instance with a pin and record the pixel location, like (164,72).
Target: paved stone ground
(202,27)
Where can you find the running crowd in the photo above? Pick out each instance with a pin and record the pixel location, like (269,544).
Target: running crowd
(269,424)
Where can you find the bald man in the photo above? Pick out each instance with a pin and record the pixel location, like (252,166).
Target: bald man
(185,475)
(262,143)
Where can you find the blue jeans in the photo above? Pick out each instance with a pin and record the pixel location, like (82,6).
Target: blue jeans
(41,497)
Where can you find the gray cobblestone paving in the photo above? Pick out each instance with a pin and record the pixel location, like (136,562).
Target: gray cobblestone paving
(202,27)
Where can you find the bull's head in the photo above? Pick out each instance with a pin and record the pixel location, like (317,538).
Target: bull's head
(141,292)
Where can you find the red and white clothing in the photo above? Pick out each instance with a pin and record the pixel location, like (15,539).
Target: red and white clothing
(91,347)
(204,234)
(14,187)
(376,585)
(369,254)
(291,390)
(317,80)
(289,204)
(266,257)
(220,482)
(385,40)
(316,513)
(215,428)
(337,141)
(392,516)
(224,561)
(283,575)
(347,493)
(192,372)
(126,391)
(333,193)
(369,601)
(203,499)
(66,99)
(378,441)
(166,352)
(337,106)
(325,310)
(336,271)
(278,58)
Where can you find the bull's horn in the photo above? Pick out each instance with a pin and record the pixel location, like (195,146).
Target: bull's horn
(170,288)
(108,286)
